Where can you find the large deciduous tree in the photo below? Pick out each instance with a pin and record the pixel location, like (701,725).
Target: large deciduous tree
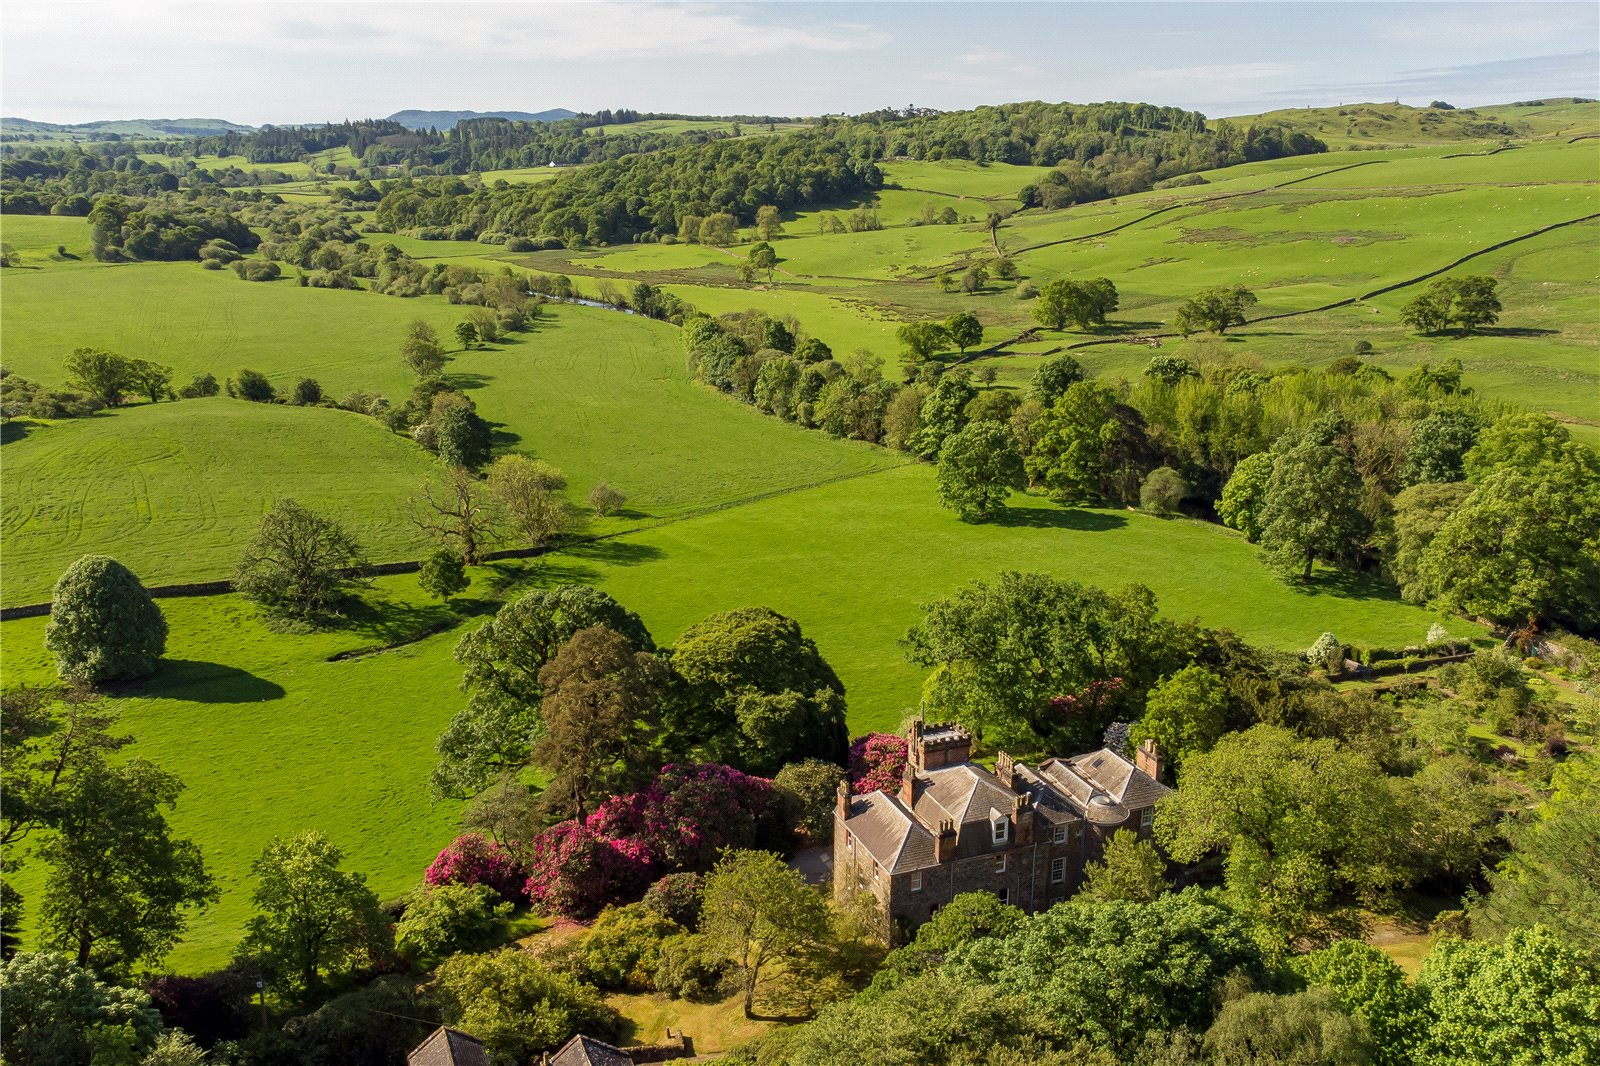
(757,911)
(532,496)
(59,1013)
(311,917)
(120,881)
(299,562)
(103,624)
(421,350)
(979,468)
(1311,510)
(501,661)
(1468,302)
(460,512)
(1081,303)
(1215,310)
(1310,829)
(1185,714)
(943,414)
(600,710)
(759,694)
(1071,455)
(964,330)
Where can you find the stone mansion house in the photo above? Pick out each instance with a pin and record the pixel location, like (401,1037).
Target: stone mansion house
(1024,833)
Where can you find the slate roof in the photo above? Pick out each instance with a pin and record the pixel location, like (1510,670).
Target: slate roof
(1048,802)
(587,1051)
(1119,778)
(890,834)
(962,793)
(448,1047)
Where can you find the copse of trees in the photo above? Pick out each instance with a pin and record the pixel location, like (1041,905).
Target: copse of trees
(1465,303)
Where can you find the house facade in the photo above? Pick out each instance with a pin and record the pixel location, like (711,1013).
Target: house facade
(1024,833)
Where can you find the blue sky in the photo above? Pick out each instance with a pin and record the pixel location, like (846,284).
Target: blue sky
(71,61)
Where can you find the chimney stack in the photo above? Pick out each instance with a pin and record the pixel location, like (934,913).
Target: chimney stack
(908,786)
(1148,759)
(842,800)
(1006,770)
(944,847)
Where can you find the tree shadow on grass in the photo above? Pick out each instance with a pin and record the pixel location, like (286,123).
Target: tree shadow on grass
(500,437)
(391,622)
(615,552)
(469,380)
(1123,327)
(1347,585)
(11,432)
(1073,518)
(1515,331)
(195,681)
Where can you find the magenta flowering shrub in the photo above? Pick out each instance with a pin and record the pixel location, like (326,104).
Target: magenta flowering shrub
(679,822)
(1096,697)
(472,859)
(574,871)
(877,761)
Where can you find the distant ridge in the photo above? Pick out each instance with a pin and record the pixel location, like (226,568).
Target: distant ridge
(130,127)
(443,120)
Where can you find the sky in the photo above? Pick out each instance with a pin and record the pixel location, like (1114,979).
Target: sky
(289,62)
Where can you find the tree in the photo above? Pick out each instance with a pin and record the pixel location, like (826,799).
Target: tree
(763,258)
(103,624)
(104,375)
(464,438)
(466,335)
(1439,444)
(1163,491)
(298,563)
(151,379)
(943,413)
(811,787)
(1129,869)
(974,278)
(1524,441)
(979,468)
(443,574)
(1185,714)
(1527,1001)
(58,1012)
(1311,511)
(1054,376)
(1468,302)
(532,496)
(502,660)
(311,916)
(441,920)
(1082,303)
(518,1006)
(1367,984)
(605,499)
(964,330)
(922,339)
(1070,455)
(719,230)
(1548,877)
(252,385)
(1419,513)
(459,512)
(1113,972)
(1034,662)
(1170,369)
(1302,1028)
(757,911)
(768,225)
(599,710)
(759,694)
(1310,829)
(120,881)
(307,393)
(1214,309)
(421,350)
(1521,548)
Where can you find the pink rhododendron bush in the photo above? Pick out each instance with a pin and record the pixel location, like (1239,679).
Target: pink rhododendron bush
(472,859)
(877,761)
(679,822)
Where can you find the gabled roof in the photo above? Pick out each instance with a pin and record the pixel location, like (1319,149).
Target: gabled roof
(962,793)
(890,834)
(587,1051)
(1048,801)
(448,1047)
(1119,778)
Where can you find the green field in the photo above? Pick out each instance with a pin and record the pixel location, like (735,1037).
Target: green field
(727,507)
(346,746)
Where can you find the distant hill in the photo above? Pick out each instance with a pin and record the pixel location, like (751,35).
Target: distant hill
(1400,124)
(443,120)
(128,127)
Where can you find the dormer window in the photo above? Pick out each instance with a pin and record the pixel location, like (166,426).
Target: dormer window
(1001,829)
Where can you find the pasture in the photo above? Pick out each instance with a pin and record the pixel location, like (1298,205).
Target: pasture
(271,737)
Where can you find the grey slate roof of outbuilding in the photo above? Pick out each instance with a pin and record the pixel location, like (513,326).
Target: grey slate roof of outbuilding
(587,1051)
(448,1047)
(890,834)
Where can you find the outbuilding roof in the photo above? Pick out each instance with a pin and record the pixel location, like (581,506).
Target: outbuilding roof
(448,1047)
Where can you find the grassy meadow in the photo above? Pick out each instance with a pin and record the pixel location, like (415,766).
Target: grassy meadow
(726,507)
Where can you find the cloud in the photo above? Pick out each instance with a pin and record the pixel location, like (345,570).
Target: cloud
(1545,75)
